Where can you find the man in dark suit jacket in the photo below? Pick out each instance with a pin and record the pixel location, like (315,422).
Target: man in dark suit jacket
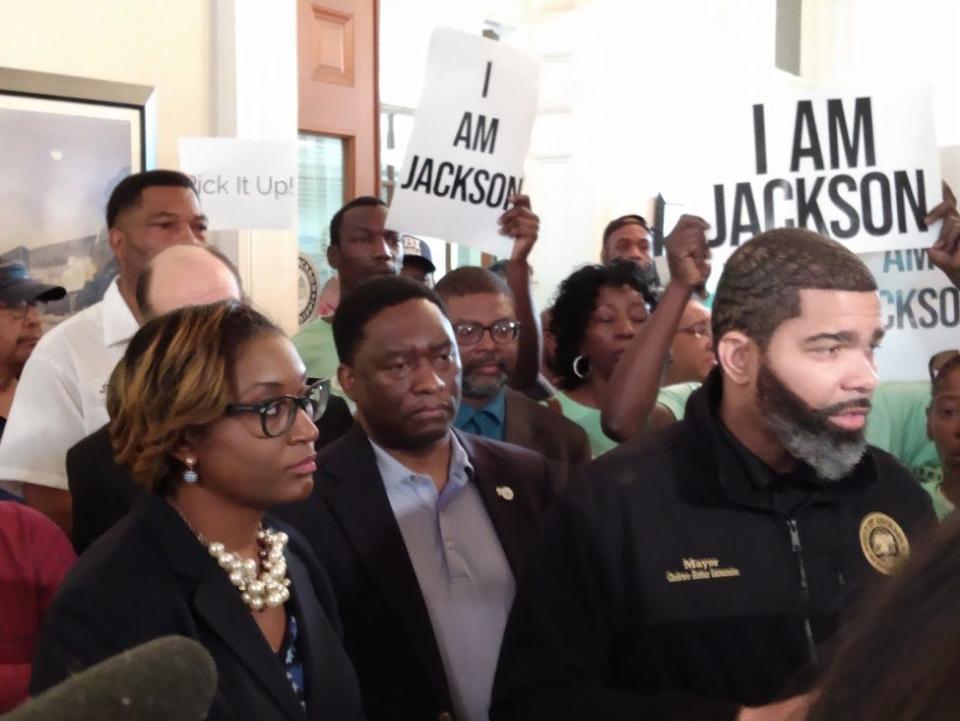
(422,529)
(483,313)
(103,492)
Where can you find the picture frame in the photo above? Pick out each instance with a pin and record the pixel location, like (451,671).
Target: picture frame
(66,142)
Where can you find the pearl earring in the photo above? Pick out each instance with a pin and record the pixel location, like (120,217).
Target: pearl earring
(190,475)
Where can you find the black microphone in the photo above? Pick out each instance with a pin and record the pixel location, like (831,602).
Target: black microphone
(168,679)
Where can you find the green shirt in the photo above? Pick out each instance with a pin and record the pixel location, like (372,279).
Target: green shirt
(897,423)
(941,504)
(318,352)
(589,420)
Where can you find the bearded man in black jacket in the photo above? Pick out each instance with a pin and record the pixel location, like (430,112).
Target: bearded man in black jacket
(698,572)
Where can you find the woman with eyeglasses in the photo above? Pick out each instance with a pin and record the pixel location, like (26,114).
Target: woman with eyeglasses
(596,314)
(212,415)
(691,355)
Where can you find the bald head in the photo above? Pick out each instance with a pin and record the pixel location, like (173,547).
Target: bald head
(183,275)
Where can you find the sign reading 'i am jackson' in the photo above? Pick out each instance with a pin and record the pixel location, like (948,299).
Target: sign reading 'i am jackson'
(862,169)
(471,134)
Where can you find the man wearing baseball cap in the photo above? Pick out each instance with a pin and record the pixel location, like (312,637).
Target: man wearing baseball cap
(417,260)
(20,297)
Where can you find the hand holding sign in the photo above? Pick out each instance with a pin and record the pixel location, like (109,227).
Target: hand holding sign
(688,256)
(945,252)
(521,224)
(470,137)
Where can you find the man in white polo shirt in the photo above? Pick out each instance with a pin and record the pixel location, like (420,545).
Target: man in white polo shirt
(61,396)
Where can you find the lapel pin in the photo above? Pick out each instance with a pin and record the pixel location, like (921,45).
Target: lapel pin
(505,492)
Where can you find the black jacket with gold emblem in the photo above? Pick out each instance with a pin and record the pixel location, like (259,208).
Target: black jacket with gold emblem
(680,578)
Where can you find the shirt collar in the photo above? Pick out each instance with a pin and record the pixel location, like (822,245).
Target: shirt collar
(119,325)
(394,473)
(496,409)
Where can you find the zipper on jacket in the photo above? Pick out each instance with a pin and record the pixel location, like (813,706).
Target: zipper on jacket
(797,548)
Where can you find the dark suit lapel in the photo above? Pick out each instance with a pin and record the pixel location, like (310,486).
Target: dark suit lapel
(317,639)
(218,603)
(517,428)
(359,501)
(508,504)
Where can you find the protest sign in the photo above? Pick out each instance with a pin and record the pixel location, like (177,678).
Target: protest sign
(862,169)
(920,311)
(470,136)
(243,184)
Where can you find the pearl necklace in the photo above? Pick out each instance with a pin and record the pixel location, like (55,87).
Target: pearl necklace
(268,590)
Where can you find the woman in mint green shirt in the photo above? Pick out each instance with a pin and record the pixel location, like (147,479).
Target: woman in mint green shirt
(596,314)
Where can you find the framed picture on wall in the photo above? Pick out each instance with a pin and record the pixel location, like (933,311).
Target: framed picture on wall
(65,143)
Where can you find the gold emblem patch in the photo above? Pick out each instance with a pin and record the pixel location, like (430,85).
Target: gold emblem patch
(884,543)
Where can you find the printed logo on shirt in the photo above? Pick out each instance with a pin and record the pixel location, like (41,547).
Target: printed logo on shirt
(701,569)
(884,543)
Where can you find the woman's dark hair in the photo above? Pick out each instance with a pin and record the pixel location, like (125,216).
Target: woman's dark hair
(900,660)
(177,375)
(574,306)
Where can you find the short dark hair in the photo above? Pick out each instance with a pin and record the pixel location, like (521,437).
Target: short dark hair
(574,306)
(128,191)
(142,292)
(337,220)
(369,299)
(761,283)
(614,225)
(469,280)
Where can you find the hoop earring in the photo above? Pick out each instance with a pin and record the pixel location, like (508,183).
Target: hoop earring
(582,375)
(190,475)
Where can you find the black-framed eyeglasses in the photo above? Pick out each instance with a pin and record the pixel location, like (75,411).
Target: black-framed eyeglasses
(503,331)
(700,329)
(277,414)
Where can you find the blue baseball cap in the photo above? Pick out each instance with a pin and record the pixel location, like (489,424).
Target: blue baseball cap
(16,286)
(417,252)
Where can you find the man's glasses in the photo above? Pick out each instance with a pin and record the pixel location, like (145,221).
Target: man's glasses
(939,360)
(278,414)
(700,329)
(20,309)
(503,331)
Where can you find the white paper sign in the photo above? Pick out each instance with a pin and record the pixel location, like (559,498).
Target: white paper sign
(243,184)
(860,168)
(470,136)
(920,312)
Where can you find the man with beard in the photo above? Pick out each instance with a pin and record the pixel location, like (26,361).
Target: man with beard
(481,308)
(697,572)
(422,529)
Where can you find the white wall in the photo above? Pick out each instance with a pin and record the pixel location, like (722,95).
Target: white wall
(162,44)
(220,67)
(888,43)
